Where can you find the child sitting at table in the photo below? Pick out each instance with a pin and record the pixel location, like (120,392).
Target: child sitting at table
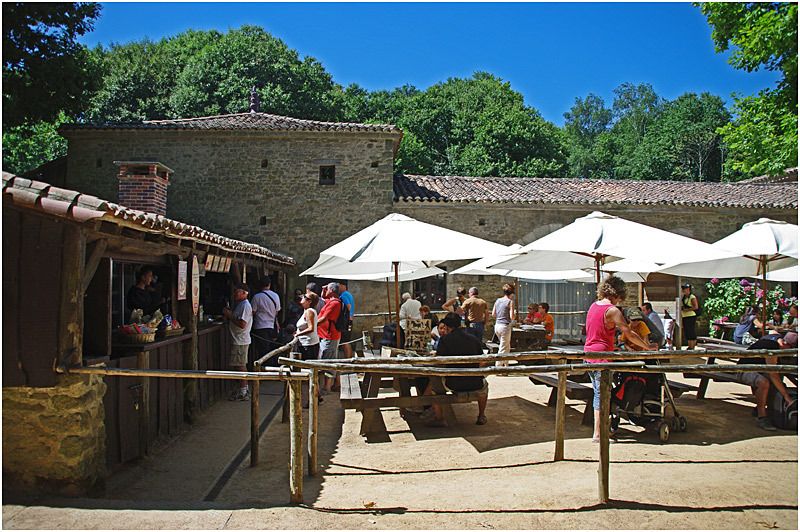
(635,319)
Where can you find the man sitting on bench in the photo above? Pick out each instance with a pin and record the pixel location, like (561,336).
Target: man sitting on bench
(760,382)
(455,341)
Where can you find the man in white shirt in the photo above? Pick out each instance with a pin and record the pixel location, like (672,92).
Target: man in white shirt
(409,310)
(240,322)
(266,305)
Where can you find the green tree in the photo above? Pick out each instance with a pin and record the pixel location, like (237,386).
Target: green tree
(138,78)
(635,108)
(29,146)
(683,142)
(45,69)
(477,126)
(217,80)
(763,136)
(584,122)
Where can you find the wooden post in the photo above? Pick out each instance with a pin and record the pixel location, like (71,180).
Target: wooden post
(296,442)
(70,326)
(313,422)
(389,302)
(605,399)
(560,413)
(254,419)
(143,362)
(397,300)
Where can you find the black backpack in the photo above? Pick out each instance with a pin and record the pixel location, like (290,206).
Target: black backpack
(343,321)
(782,415)
(628,394)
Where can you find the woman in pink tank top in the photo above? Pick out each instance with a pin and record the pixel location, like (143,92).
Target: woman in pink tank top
(602,321)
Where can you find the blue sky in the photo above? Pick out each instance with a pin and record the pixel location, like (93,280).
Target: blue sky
(550,52)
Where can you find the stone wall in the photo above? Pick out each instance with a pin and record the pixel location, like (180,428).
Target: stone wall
(260,187)
(54,438)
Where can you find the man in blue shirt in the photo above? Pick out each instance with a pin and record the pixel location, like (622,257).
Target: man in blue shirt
(350,303)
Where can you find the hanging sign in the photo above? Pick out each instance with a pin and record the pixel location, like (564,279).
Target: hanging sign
(215,265)
(195,285)
(209,262)
(227,266)
(182,264)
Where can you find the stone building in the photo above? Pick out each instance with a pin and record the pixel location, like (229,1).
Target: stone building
(299,186)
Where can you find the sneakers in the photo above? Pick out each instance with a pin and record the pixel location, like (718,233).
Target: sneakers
(242,394)
(765,424)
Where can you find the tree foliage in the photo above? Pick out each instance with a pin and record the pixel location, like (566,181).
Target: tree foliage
(45,69)
(29,146)
(763,136)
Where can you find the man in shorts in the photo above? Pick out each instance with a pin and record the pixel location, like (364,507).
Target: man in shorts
(329,336)
(240,322)
(760,382)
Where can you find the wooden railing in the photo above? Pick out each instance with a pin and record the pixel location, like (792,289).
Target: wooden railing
(637,362)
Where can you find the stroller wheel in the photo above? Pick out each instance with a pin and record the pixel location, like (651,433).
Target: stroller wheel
(663,431)
(674,424)
(682,424)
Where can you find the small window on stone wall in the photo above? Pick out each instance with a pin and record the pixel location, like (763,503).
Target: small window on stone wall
(264,163)
(262,220)
(327,175)
(99,162)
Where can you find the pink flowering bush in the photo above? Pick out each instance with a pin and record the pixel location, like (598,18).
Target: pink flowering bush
(728,299)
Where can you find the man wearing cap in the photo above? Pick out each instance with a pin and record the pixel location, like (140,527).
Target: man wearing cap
(456,341)
(760,382)
(240,321)
(689,306)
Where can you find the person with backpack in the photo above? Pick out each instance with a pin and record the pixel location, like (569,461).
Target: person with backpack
(690,309)
(328,324)
(760,382)
(266,305)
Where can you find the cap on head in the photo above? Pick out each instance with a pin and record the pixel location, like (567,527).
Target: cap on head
(634,313)
(452,320)
(686,285)
(790,339)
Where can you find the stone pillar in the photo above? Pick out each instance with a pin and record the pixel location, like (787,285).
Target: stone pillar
(54,438)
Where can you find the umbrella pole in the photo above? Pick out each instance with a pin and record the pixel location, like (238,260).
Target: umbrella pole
(764,288)
(597,269)
(389,301)
(397,300)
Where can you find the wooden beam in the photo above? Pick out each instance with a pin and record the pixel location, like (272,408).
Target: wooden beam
(254,398)
(313,423)
(560,413)
(296,442)
(70,326)
(605,406)
(98,248)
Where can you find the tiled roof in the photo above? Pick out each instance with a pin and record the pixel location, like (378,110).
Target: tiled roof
(789,176)
(83,207)
(527,190)
(242,121)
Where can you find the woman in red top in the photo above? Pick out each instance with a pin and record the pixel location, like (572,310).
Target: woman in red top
(602,321)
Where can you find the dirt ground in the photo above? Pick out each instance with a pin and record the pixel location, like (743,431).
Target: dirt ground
(723,473)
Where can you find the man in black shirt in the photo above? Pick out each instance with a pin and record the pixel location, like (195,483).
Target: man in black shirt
(455,341)
(760,382)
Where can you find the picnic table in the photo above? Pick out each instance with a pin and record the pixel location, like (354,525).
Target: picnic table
(737,351)
(363,395)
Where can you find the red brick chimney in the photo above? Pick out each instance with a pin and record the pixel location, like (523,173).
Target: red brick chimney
(143,185)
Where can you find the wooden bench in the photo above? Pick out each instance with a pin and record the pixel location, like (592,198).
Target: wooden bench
(352,396)
(584,392)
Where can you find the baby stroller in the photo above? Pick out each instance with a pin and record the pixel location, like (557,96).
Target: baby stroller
(642,399)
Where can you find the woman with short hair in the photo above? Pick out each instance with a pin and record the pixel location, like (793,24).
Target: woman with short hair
(504,313)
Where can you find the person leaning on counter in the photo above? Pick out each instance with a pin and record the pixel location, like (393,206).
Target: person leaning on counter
(143,295)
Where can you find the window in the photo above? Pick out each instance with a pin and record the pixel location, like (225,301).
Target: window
(327,175)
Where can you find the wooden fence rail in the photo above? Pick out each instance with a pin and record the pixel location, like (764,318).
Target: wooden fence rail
(418,366)
(294,378)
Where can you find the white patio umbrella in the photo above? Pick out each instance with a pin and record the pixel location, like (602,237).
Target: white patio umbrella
(786,275)
(757,247)
(339,267)
(398,239)
(588,242)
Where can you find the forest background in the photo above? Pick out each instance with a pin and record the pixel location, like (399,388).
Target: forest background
(473,126)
